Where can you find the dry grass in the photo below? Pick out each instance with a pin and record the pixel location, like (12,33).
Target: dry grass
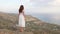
(8,22)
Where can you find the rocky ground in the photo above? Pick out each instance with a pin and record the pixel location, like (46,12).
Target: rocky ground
(8,24)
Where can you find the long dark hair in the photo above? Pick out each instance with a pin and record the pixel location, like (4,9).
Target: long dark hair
(21,9)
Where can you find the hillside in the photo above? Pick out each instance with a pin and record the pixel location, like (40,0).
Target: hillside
(8,24)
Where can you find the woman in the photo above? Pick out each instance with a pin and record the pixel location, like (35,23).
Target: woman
(21,18)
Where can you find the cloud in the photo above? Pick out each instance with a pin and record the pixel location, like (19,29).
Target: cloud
(46,2)
(13,5)
(8,5)
(31,6)
(40,2)
(43,6)
(55,3)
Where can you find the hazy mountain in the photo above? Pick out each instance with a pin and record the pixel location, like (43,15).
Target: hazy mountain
(8,24)
(50,18)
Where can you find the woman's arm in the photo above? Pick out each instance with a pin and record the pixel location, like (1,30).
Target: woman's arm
(24,15)
(19,13)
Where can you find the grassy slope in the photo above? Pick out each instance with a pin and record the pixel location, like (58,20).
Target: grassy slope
(8,22)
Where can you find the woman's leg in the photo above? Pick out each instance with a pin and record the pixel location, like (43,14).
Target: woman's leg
(21,29)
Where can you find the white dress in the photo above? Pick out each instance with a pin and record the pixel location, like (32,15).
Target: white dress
(21,20)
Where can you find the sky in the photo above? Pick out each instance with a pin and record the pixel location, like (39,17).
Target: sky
(33,7)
